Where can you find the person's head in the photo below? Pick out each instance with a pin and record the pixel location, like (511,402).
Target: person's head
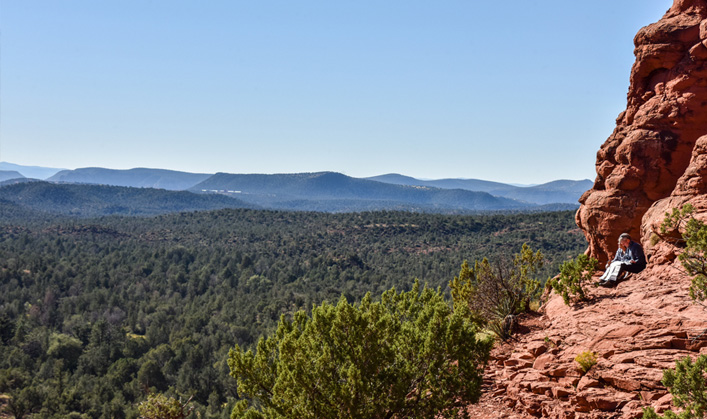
(624,239)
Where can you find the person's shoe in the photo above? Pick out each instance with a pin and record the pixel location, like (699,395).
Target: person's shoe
(608,284)
(600,283)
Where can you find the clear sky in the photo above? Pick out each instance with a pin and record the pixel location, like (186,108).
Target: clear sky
(516,91)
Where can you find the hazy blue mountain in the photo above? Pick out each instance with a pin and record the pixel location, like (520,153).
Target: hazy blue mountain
(98,200)
(34,172)
(138,178)
(9,174)
(564,185)
(559,191)
(329,191)
(468,184)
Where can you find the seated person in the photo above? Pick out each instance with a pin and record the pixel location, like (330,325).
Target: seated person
(629,258)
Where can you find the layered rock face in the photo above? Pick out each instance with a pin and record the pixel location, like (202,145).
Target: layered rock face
(654,161)
(648,160)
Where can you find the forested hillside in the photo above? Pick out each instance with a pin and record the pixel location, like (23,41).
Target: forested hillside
(97,200)
(95,312)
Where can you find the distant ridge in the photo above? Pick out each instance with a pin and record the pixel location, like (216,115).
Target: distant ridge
(558,191)
(467,184)
(138,178)
(33,172)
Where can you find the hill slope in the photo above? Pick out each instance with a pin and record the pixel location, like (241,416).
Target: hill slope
(9,174)
(137,178)
(328,189)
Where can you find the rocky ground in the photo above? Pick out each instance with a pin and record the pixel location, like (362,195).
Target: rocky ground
(637,330)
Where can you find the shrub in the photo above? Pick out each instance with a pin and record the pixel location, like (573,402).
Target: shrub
(158,406)
(688,386)
(586,361)
(694,257)
(490,294)
(407,356)
(676,218)
(572,275)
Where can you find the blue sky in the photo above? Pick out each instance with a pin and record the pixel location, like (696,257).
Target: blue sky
(518,91)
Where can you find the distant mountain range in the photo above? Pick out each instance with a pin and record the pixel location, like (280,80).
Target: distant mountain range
(559,191)
(335,189)
(468,184)
(33,172)
(323,191)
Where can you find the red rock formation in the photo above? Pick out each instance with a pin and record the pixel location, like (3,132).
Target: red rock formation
(654,161)
(691,188)
(651,147)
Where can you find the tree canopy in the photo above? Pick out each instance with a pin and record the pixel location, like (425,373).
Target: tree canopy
(407,356)
(97,313)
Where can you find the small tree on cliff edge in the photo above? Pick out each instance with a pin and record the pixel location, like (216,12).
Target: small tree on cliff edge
(694,257)
(407,356)
(489,293)
(573,274)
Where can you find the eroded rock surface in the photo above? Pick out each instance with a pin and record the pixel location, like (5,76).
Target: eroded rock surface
(637,330)
(647,156)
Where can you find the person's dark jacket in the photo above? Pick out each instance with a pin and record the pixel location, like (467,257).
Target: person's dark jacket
(633,255)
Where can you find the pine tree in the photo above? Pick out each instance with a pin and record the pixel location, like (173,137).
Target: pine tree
(688,386)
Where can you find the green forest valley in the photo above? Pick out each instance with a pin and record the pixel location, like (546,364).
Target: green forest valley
(98,313)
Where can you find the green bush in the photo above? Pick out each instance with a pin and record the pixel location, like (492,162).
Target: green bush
(688,386)
(488,294)
(586,361)
(158,406)
(572,275)
(407,356)
(694,257)
(675,219)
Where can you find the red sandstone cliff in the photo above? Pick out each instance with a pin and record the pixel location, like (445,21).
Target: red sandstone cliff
(655,160)
(646,160)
